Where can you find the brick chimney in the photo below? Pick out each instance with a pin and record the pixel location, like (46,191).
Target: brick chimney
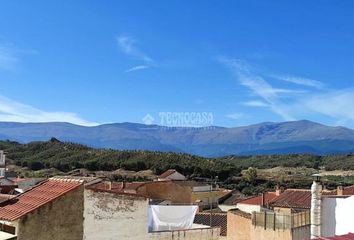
(340,190)
(279,190)
(264,199)
(109,185)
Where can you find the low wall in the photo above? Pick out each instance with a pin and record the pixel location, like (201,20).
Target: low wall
(190,234)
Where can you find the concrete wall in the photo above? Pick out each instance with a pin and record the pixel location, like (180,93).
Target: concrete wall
(328,217)
(260,233)
(301,233)
(239,227)
(166,190)
(115,216)
(61,219)
(191,234)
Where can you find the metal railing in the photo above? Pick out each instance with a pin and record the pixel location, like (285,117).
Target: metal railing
(273,220)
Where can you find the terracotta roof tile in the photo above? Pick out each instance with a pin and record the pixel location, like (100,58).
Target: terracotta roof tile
(36,197)
(257,200)
(348,190)
(349,236)
(296,198)
(293,198)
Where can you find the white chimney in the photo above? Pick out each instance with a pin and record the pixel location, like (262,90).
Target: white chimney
(316,197)
(2,163)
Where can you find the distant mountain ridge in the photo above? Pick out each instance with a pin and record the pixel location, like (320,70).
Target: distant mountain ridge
(264,138)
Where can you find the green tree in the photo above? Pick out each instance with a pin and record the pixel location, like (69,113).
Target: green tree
(250,175)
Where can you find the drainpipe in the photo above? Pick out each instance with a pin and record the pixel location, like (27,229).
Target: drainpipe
(316,198)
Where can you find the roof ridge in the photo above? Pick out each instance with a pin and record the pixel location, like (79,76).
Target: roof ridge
(59,179)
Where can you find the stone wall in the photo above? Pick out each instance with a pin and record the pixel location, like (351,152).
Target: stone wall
(190,234)
(115,216)
(61,219)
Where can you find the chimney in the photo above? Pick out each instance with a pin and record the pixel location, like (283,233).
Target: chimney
(123,185)
(109,185)
(340,190)
(316,199)
(263,199)
(278,190)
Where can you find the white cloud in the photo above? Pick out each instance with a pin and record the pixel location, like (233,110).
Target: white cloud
(235,116)
(127,44)
(318,102)
(255,103)
(335,103)
(11,110)
(300,81)
(8,59)
(137,68)
(249,78)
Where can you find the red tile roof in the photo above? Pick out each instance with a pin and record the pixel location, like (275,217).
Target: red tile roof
(296,198)
(348,190)
(349,236)
(257,200)
(293,198)
(36,197)
(168,173)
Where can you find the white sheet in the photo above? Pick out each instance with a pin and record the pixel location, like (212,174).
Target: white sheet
(162,217)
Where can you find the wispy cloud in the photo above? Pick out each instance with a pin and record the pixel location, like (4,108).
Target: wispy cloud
(235,116)
(289,103)
(300,81)
(136,68)
(11,110)
(128,46)
(255,103)
(249,78)
(8,58)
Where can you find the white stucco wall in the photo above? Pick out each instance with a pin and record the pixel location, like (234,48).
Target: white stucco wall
(109,216)
(248,208)
(337,217)
(226,208)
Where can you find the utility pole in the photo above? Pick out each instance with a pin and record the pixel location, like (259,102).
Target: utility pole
(211,199)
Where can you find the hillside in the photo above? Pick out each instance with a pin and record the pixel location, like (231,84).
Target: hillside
(264,138)
(43,159)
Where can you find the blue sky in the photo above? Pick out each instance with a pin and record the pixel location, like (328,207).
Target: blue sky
(90,62)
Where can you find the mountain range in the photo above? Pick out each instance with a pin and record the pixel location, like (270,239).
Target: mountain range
(264,138)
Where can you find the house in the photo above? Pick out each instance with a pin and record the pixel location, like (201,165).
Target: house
(56,202)
(256,203)
(7,186)
(297,200)
(112,213)
(78,208)
(181,192)
(331,214)
(171,174)
(267,225)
